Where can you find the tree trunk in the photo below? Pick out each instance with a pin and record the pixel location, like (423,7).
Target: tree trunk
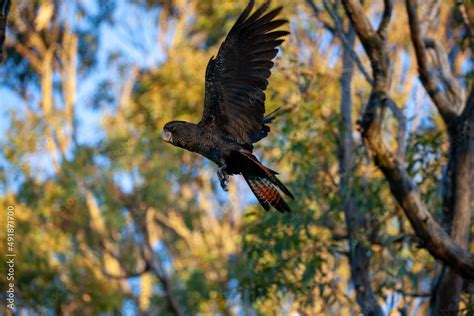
(446,293)
(4,8)
(356,220)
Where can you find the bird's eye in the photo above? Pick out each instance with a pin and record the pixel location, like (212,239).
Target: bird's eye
(167,136)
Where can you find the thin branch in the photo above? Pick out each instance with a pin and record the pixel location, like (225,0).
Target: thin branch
(372,41)
(414,294)
(155,266)
(126,274)
(345,41)
(155,263)
(467,24)
(453,89)
(317,13)
(4,9)
(430,13)
(427,76)
(387,14)
(402,127)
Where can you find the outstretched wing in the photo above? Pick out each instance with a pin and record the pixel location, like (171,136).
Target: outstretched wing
(237,78)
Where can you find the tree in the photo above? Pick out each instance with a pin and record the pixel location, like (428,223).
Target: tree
(451,249)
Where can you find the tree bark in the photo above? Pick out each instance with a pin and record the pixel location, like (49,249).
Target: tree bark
(356,220)
(457,207)
(4,9)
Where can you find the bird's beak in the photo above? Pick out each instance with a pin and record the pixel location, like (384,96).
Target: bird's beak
(166,136)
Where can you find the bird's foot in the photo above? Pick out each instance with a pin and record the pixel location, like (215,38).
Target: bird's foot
(223,177)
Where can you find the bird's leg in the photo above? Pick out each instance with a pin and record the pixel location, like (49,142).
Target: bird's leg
(223,177)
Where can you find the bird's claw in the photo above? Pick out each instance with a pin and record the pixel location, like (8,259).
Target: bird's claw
(223,178)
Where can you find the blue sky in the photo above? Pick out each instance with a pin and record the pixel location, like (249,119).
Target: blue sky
(132,25)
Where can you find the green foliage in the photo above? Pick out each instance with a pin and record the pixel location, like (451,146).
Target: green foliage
(425,160)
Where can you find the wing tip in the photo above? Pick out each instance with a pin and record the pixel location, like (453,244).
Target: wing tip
(245,14)
(265,5)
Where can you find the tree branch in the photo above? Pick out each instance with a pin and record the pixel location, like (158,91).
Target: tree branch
(155,263)
(126,274)
(387,14)
(345,41)
(317,13)
(427,76)
(402,127)
(4,9)
(454,91)
(433,236)
(466,20)
(414,294)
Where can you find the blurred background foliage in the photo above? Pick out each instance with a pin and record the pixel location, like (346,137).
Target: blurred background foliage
(109,219)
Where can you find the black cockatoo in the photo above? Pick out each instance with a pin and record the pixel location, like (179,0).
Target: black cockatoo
(234,105)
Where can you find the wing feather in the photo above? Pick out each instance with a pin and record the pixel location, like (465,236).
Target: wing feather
(238,76)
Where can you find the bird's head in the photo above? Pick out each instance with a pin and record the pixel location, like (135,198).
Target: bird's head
(179,133)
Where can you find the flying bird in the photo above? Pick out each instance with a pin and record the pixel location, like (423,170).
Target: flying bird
(234,106)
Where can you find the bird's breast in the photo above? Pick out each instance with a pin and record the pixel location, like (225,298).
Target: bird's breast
(208,146)
(215,148)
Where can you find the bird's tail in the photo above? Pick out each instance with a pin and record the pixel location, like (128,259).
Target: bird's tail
(264,183)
